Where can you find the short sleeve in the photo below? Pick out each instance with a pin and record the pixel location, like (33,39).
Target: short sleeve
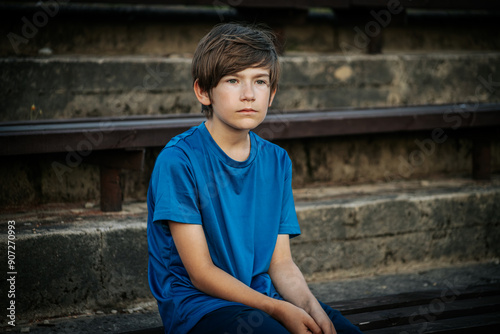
(174,189)
(289,223)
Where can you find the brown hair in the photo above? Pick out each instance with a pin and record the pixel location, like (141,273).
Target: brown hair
(230,48)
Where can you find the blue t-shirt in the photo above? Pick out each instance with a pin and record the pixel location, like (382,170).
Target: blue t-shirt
(242,206)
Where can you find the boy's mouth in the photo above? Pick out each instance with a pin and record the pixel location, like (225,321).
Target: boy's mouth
(247,110)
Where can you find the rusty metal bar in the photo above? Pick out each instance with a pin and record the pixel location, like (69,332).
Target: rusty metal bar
(110,164)
(111,192)
(481,156)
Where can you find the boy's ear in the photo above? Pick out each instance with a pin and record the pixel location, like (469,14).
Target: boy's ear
(271,97)
(201,95)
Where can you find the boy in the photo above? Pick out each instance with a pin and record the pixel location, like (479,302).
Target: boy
(221,209)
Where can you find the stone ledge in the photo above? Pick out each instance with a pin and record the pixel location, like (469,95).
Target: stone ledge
(387,215)
(69,269)
(377,232)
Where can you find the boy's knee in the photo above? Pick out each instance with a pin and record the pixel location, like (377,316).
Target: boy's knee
(253,321)
(329,310)
(342,324)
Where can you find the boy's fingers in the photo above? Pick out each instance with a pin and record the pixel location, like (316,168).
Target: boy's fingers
(324,322)
(330,329)
(313,326)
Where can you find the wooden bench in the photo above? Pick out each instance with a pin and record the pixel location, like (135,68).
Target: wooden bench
(465,310)
(448,311)
(119,143)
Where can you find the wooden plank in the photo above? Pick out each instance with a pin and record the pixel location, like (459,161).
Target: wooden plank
(412,298)
(488,323)
(437,309)
(155,330)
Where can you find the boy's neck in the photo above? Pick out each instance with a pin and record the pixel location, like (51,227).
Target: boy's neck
(235,143)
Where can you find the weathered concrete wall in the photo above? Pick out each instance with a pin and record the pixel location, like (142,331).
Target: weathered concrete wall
(31,180)
(101,262)
(69,87)
(388,157)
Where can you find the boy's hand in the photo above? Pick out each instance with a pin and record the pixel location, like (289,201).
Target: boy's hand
(323,321)
(295,319)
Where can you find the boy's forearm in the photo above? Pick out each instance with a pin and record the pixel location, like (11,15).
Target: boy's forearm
(217,283)
(191,244)
(222,285)
(290,283)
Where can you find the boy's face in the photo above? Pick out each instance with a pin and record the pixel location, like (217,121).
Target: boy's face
(240,101)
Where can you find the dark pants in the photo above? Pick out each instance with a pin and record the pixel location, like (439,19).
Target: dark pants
(242,319)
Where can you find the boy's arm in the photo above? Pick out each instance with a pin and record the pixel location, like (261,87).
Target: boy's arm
(192,246)
(290,283)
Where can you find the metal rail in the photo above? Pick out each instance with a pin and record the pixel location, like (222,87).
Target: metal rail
(20,138)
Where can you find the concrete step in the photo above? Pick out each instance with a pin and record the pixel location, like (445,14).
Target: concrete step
(379,228)
(70,260)
(62,87)
(73,28)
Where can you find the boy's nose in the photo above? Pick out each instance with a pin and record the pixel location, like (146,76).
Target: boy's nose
(247,92)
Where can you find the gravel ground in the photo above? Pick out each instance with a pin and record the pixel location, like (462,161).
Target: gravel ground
(146,315)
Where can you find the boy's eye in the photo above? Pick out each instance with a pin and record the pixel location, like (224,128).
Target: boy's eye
(261,82)
(233,81)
